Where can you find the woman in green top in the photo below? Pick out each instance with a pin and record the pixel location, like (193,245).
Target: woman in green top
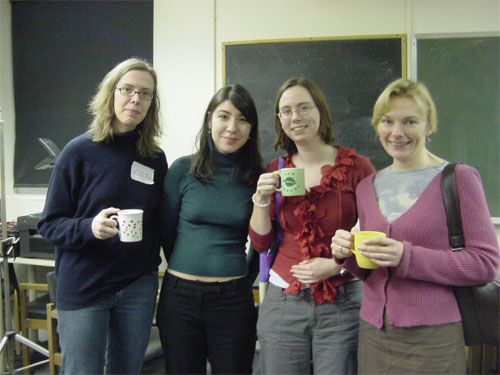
(206,309)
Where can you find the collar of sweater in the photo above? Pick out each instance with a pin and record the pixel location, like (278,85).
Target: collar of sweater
(127,139)
(227,160)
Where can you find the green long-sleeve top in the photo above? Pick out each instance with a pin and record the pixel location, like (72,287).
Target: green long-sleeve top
(205,225)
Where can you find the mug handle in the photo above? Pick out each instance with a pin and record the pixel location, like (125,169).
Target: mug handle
(278,188)
(115,218)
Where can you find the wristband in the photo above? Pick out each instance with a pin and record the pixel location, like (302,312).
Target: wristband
(260,205)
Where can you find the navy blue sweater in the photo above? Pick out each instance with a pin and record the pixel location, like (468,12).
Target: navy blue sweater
(89,177)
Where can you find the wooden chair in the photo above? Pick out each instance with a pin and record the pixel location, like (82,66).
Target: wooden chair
(55,356)
(14,309)
(33,314)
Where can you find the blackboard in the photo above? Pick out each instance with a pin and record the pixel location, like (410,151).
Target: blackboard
(61,50)
(462,74)
(351,72)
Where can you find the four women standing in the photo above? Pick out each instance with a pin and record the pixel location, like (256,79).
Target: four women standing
(308,321)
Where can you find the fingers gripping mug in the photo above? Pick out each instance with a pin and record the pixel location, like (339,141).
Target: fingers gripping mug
(359,237)
(129,225)
(292,182)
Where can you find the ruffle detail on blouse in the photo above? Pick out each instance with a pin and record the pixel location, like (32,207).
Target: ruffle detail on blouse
(309,212)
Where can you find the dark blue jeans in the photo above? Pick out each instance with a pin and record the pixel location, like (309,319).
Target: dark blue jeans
(112,334)
(200,321)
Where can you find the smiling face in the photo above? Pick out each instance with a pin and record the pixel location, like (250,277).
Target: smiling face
(299,127)
(131,110)
(229,128)
(402,130)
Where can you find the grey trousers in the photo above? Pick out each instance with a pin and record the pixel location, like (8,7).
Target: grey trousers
(298,337)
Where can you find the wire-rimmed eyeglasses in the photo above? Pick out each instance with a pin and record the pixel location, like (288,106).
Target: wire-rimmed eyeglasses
(128,91)
(287,112)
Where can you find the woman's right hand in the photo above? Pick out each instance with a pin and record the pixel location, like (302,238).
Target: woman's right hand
(265,187)
(102,226)
(342,243)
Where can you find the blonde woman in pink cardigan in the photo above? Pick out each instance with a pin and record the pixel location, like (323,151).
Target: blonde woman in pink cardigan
(410,322)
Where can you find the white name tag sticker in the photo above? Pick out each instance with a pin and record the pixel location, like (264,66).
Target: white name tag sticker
(141,173)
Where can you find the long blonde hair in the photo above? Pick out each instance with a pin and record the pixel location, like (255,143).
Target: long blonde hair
(101,107)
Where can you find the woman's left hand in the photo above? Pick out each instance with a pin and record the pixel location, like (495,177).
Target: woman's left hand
(385,252)
(312,270)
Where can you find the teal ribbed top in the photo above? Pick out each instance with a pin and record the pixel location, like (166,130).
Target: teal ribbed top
(206,224)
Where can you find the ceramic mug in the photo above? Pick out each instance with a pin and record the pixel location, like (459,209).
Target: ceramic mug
(129,225)
(292,182)
(359,237)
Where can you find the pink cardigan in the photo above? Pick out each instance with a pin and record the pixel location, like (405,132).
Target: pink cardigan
(418,292)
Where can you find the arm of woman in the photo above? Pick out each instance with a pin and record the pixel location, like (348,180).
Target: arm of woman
(171,203)
(58,223)
(476,263)
(261,229)
(316,269)
(260,221)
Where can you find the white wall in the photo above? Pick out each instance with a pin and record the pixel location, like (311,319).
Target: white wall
(188,37)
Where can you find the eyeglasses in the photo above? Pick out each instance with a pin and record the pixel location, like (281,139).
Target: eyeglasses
(128,91)
(286,113)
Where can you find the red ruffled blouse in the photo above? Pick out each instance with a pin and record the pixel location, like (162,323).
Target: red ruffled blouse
(309,222)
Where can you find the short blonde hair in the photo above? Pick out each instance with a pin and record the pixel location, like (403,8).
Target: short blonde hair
(101,107)
(412,89)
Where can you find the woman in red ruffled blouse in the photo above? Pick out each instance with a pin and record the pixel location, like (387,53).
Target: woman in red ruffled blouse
(308,321)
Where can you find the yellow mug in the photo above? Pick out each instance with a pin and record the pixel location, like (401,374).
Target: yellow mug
(359,237)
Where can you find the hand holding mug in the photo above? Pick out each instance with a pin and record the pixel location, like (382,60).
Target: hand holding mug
(382,251)
(104,227)
(342,243)
(265,187)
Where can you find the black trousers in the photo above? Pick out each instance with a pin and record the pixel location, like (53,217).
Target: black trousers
(200,321)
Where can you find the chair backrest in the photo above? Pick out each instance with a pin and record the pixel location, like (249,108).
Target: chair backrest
(51,282)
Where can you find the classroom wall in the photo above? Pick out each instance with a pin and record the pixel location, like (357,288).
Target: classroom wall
(188,37)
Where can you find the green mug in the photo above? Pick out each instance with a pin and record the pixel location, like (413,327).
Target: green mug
(292,182)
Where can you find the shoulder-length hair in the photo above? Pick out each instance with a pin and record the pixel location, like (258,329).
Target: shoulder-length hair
(101,107)
(325,125)
(249,164)
(411,89)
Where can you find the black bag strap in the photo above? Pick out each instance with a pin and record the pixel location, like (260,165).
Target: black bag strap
(452,207)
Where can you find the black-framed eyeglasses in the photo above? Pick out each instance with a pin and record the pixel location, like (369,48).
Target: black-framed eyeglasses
(286,113)
(128,91)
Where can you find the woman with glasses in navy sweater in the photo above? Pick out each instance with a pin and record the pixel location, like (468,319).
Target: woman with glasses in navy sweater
(106,289)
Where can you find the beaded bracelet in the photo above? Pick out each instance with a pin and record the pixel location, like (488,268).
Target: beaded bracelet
(260,205)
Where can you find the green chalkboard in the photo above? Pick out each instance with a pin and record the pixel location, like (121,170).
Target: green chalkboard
(462,74)
(351,71)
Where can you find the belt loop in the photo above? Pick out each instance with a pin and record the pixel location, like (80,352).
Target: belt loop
(283,295)
(173,280)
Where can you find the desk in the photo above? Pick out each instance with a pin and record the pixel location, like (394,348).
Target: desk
(31,263)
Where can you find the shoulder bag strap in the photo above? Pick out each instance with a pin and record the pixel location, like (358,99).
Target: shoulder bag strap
(452,206)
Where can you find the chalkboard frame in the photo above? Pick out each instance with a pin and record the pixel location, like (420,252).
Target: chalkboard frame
(352,125)
(450,104)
